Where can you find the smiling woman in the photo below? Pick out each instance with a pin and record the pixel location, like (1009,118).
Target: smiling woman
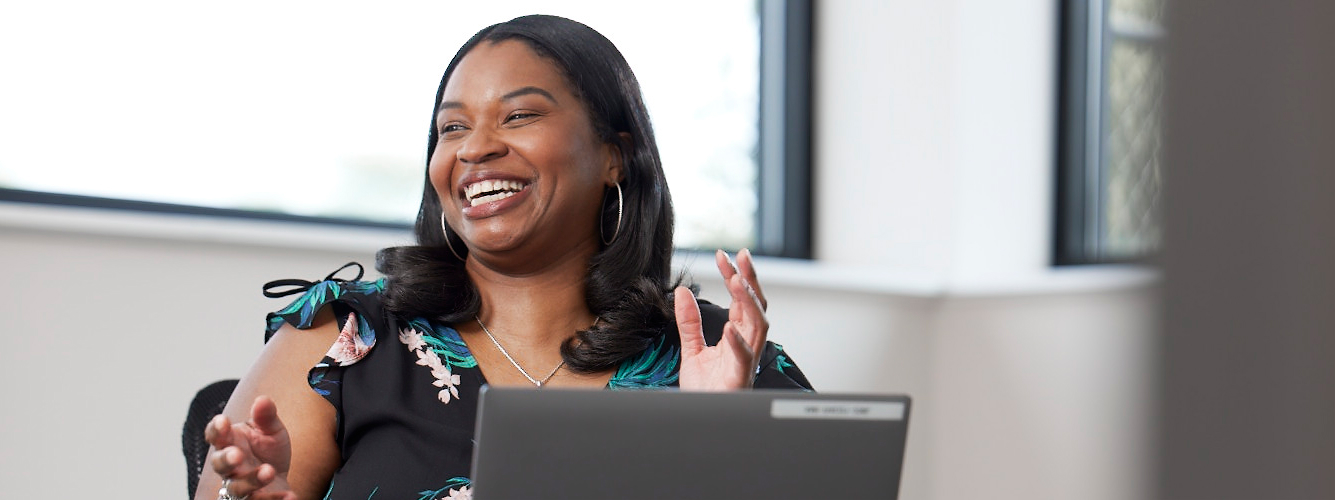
(513,116)
(539,143)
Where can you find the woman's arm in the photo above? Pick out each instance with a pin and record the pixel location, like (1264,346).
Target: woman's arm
(298,443)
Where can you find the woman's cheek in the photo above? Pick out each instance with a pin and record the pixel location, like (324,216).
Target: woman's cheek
(439,173)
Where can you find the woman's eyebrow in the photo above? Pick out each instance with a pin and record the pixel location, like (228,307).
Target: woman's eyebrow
(528,91)
(522,91)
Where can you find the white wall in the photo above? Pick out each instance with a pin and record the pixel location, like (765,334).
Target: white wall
(933,164)
(935,160)
(107,338)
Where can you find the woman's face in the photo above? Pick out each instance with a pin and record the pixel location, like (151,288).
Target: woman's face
(518,166)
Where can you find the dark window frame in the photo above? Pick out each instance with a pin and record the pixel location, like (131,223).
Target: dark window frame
(784,211)
(1078,147)
(1084,38)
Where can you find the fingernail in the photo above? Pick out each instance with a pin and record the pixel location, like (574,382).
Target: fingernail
(747,252)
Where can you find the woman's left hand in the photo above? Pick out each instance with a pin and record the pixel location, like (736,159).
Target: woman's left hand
(731,364)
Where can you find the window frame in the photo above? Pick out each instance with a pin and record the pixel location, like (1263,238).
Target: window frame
(783,227)
(1084,38)
(1073,141)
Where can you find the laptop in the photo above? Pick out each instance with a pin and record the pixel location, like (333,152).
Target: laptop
(648,444)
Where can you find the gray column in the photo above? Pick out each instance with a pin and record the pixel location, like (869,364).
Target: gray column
(1247,359)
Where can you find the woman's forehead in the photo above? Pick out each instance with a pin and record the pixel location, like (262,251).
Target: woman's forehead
(492,70)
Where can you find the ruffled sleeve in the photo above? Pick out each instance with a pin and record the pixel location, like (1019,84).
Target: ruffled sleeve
(357,305)
(777,370)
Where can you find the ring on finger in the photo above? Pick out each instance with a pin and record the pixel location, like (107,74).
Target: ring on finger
(224,493)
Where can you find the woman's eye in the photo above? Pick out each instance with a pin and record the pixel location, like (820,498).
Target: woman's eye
(450,128)
(519,116)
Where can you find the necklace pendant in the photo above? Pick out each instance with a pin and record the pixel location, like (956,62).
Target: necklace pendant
(512,361)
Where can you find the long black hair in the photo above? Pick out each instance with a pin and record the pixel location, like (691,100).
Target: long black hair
(629,284)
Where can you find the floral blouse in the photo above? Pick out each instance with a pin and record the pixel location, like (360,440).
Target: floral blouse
(405,390)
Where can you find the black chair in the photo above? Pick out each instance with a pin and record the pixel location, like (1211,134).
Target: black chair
(208,403)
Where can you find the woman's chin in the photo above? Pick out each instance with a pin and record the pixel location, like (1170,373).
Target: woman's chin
(499,246)
(528,249)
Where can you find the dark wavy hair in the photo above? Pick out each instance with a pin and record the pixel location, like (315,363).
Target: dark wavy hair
(629,286)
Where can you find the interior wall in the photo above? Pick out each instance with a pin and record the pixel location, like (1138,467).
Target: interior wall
(108,338)
(934,152)
(1041,396)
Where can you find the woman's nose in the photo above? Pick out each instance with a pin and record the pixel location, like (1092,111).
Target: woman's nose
(480,146)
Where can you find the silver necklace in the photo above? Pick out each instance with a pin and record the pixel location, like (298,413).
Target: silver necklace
(521,369)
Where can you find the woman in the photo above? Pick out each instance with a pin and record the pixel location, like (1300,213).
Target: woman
(545,236)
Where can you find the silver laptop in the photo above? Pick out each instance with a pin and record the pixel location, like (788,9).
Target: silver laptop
(604,444)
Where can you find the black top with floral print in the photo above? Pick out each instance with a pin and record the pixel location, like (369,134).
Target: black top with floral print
(406,410)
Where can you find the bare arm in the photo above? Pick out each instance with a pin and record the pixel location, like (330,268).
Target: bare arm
(309,421)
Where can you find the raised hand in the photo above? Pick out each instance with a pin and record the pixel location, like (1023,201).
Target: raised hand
(255,455)
(731,364)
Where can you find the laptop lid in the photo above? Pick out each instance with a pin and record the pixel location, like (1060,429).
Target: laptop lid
(602,444)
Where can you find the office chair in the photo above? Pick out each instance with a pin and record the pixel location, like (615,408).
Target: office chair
(208,403)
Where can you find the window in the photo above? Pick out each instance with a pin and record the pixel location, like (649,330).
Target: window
(315,112)
(1109,137)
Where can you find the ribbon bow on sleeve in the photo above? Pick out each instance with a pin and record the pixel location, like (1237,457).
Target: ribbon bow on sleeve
(299,286)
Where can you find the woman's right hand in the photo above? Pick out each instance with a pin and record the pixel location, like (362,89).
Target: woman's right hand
(255,455)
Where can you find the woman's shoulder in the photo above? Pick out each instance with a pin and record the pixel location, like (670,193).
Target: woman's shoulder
(363,299)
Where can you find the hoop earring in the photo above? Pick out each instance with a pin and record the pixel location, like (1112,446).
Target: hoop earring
(602,232)
(444,229)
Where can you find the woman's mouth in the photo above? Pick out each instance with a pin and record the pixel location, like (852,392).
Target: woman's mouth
(491,190)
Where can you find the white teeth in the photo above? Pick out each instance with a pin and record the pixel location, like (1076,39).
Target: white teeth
(493,197)
(506,188)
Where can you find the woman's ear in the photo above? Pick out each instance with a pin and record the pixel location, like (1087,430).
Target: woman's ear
(617,159)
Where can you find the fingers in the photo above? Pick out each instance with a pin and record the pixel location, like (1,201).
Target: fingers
(731,364)
(688,321)
(264,415)
(247,484)
(244,478)
(744,266)
(740,348)
(737,281)
(748,270)
(746,356)
(219,432)
(227,461)
(725,265)
(235,456)
(746,314)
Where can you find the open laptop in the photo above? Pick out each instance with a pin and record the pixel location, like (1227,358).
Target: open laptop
(603,444)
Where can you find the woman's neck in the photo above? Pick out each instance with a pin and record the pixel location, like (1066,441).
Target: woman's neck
(536,309)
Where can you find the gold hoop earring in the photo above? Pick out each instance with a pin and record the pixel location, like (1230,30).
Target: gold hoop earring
(602,232)
(445,229)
